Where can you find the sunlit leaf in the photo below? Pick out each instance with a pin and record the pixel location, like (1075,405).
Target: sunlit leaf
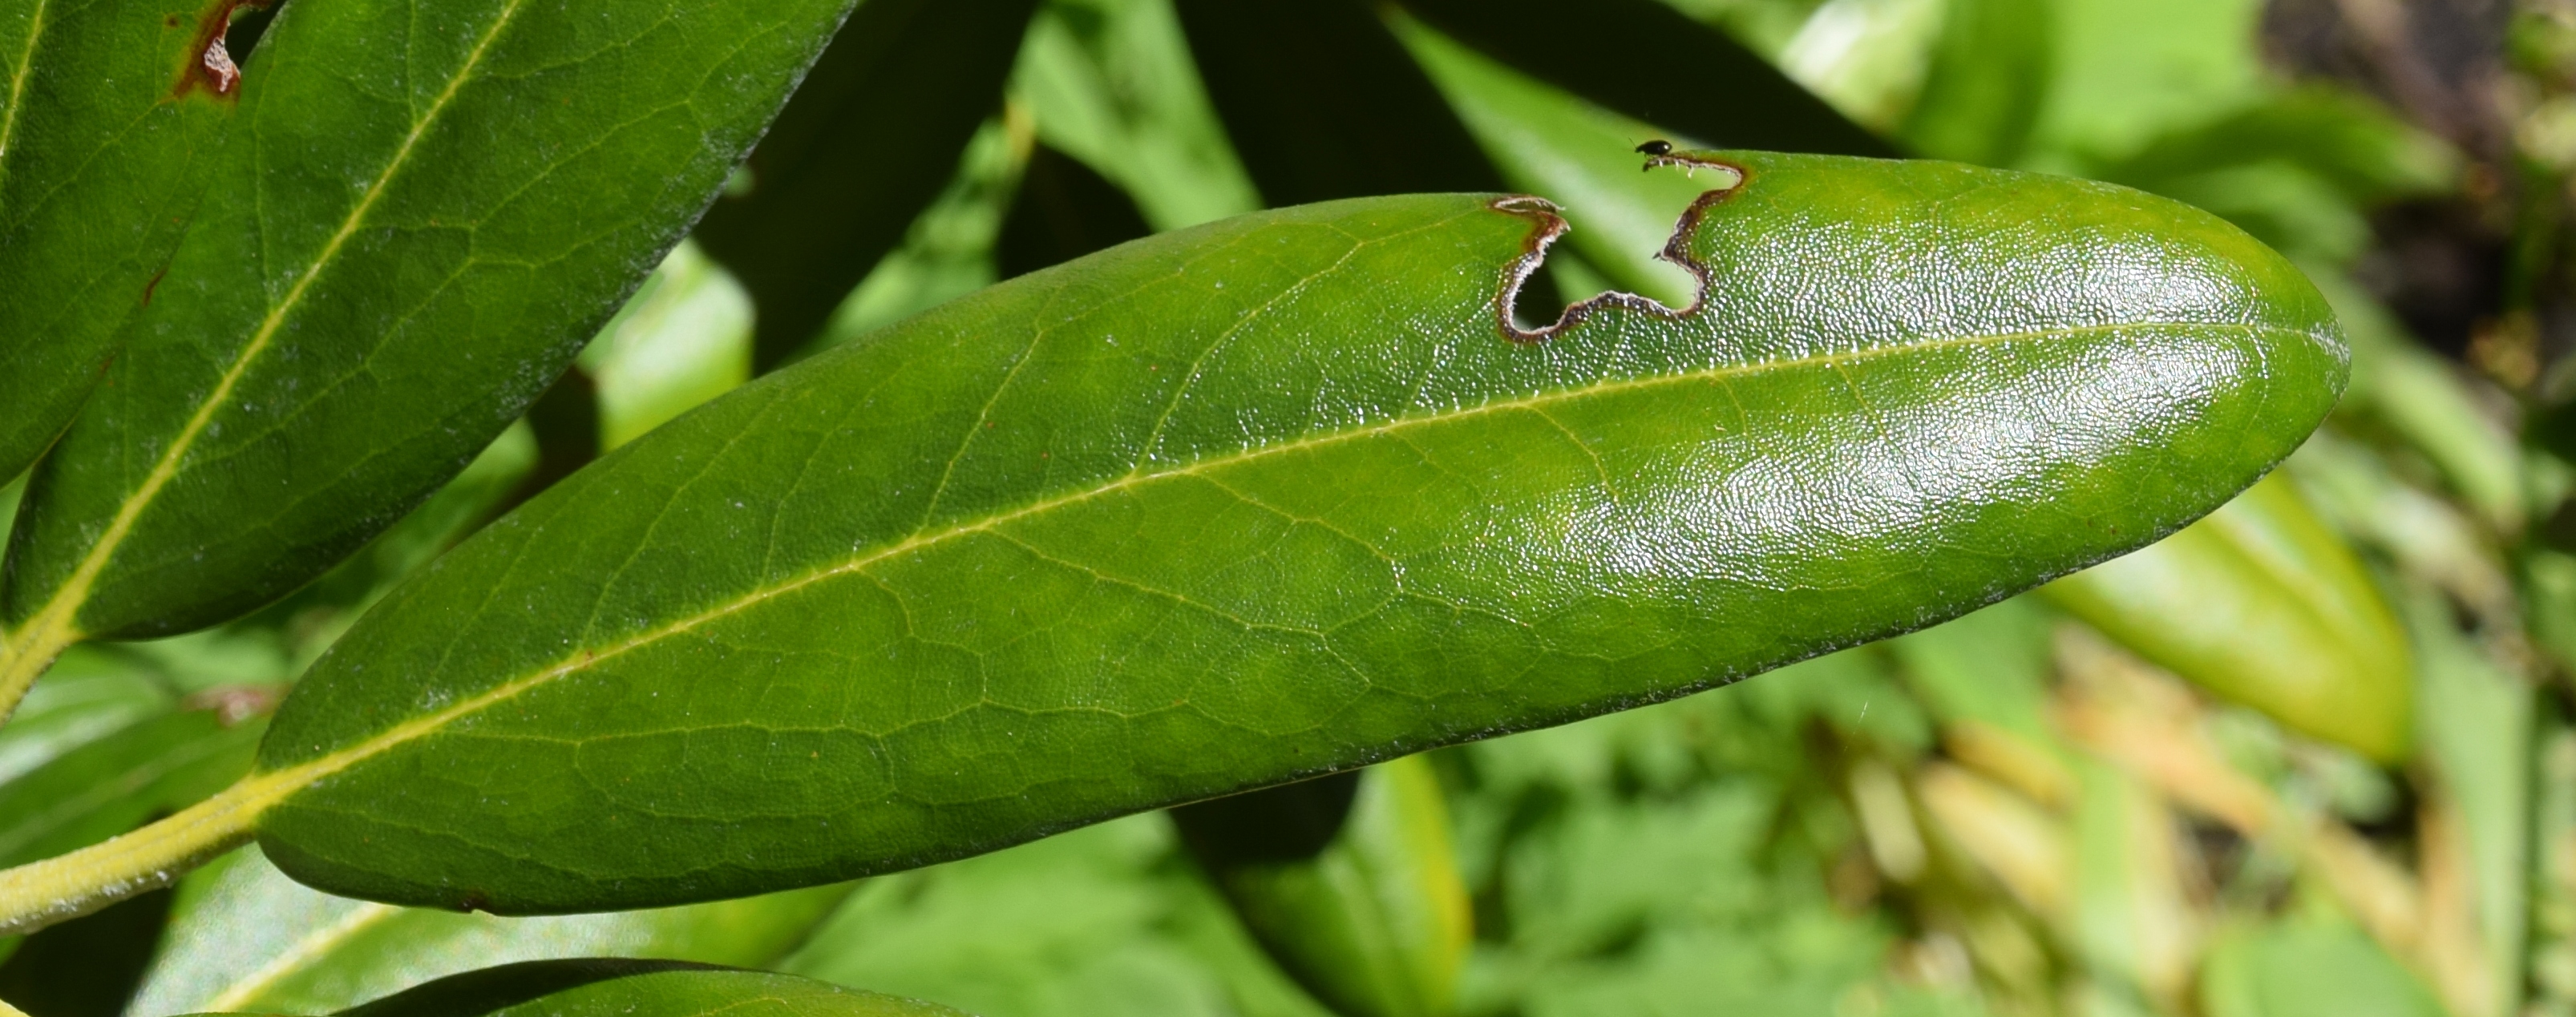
(1274,497)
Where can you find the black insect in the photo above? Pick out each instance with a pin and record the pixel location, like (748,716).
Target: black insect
(1656,147)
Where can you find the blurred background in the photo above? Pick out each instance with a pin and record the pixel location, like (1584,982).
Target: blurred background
(2315,755)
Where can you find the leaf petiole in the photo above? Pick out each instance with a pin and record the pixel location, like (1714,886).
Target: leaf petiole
(39,894)
(26,654)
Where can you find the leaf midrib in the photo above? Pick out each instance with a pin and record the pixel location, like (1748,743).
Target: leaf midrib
(300,955)
(17,107)
(54,623)
(283,782)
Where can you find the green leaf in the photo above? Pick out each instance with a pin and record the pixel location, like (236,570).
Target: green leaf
(2309,968)
(113,784)
(2129,919)
(2426,403)
(1655,64)
(421,216)
(106,110)
(1375,920)
(2262,604)
(1102,920)
(684,339)
(1274,497)
(872,135)
(83,699)
(2477,723)
(2201,55)
(1990,72)
(607,988)
(243,936)
(1110,82)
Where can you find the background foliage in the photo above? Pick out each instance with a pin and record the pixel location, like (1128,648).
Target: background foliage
(2121,795)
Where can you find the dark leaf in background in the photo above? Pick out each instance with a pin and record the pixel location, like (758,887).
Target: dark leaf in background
(865,144)
(89,966)
(1349,881)
(1323,103)
(1288,823)
(1651,62)
(1064,210)
(566,423)
(1363,121)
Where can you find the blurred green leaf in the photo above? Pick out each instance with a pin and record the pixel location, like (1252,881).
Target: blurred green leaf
(1990,72)
(1375,921)
(1990,667)
(2553,910)
(2125,73)
(114,783)
(2360,149)
(1033,516)
(873,133)
(86,967)
(1579,155)
(1868,58)
(2130,920)
(1103,920)
(245,937)
(2309,968)
(2426,404)
(605,988)
(683,339)
(377,281)
(2476,720)
(1655,65)
(83,699)
(107,112)
(2262,604)
(1111,82)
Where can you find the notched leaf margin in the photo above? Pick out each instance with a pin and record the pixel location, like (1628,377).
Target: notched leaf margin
(1547,224)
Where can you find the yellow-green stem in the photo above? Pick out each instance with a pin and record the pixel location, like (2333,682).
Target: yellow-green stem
(26,653)
(39,894)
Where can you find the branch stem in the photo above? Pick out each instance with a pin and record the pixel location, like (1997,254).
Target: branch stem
(42,893)
(24,656)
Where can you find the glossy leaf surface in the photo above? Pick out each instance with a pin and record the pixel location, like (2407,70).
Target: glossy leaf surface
(2262,604)
(1272,497)
(105,111)
(420,215)
(600,988)
(245,937)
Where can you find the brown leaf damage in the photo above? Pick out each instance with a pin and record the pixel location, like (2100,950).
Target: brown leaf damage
(1546,225)
(210,67)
